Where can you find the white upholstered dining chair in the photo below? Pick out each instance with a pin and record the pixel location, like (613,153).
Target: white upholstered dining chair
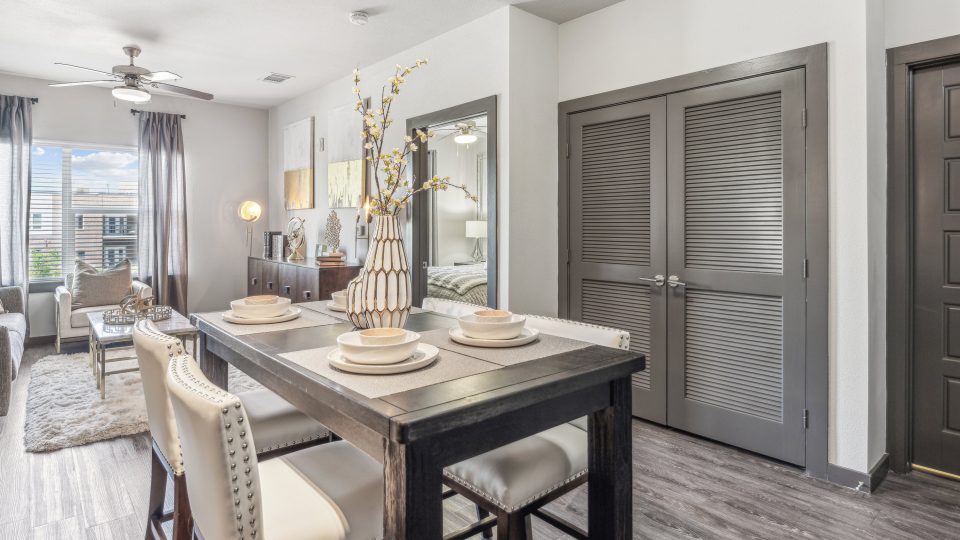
(453,308)
(331,491)
(280,427)
(516,480)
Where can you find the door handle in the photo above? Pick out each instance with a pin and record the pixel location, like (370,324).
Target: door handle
(286,289)
(270,285)
(656,280)
(253,281)
(306,295)
(423,264)
(675,282)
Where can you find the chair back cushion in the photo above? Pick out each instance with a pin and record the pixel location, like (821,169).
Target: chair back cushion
(452,308)
(91,287)
(154,351)
(591,333)
(220,460)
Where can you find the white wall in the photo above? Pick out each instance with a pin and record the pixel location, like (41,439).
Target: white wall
(533,186)
(912,21)
(225,164)
(638,41)
(466,64)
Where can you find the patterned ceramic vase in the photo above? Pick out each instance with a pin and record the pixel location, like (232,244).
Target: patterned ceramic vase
(380,296)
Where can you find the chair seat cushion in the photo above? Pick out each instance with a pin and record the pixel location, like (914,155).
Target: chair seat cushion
(516,474)
(331,491)
(277,424)
(78,317)
(16,325)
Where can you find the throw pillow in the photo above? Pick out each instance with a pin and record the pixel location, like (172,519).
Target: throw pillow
(100,288)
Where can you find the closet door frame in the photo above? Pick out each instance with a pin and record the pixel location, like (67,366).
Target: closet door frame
(813,61)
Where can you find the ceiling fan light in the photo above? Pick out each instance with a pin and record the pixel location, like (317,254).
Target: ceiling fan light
(130,93)
(465,138)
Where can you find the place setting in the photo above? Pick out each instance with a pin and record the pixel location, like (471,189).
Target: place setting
(265,313)
(495,328)
(381,351)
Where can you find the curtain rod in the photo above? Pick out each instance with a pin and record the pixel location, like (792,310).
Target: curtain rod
(137,111)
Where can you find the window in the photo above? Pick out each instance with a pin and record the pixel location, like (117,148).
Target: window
(83,204)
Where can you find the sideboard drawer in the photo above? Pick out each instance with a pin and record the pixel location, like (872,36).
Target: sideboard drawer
(288,283)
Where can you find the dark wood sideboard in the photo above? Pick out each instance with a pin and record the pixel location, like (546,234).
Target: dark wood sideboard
(300,281)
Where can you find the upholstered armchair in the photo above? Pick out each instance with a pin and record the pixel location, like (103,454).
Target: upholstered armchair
(13,333)
(72,323)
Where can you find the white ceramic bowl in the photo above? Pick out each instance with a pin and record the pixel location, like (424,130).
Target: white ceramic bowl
(474,328)
(242,308)
(382,336)
(354,350)
(262,299)
(493,316)
(339,298)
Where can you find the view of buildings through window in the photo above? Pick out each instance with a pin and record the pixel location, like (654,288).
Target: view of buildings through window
(83,205)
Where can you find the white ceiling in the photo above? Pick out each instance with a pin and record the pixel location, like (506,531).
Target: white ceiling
(226,46)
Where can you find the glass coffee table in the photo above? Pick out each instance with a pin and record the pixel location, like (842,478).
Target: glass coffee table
(120,337)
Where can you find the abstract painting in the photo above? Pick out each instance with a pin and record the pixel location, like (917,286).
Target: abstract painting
(298,165)
(346,167)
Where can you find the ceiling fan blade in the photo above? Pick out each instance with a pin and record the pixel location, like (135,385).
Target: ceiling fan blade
(160,76)
(81,83)
(181,90)
(86,68)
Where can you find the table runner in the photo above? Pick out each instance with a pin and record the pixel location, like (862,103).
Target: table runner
(447,367)
(320,306)
(545,345)
(306,319)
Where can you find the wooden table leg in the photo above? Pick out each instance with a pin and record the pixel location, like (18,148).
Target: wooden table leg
(413,507)
(214,367)
(610,485)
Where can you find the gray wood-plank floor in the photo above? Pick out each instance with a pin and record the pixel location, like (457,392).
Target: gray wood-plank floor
(684,487)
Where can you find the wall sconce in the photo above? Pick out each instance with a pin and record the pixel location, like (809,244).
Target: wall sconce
(249,211)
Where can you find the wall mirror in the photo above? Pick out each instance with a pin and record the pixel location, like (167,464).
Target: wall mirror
(454,249)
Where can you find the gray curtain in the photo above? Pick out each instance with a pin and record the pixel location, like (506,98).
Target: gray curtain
(162,214)
(16,136)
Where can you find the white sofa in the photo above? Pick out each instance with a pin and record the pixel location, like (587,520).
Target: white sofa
(73,323)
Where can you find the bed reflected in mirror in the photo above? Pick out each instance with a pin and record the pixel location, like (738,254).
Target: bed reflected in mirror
(454,235)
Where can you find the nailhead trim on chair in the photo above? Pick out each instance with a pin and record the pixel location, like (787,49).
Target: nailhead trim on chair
(498,503)
(210,392)
(624,335)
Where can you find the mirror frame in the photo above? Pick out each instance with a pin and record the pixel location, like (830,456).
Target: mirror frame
(420,222)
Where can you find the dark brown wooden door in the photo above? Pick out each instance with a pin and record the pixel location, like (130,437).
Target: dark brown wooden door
(617,234)
(936,359)
(736,248)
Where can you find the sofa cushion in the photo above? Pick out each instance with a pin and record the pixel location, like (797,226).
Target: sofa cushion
(78,317)
(100,288)
(16,325)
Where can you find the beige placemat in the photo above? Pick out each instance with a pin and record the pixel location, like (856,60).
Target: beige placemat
(306,319)
(545,345)
(447,367)
(320,306)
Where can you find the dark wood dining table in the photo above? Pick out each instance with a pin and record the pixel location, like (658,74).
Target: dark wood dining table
(416,433)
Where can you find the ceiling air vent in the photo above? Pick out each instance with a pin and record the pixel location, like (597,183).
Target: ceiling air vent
(276,78)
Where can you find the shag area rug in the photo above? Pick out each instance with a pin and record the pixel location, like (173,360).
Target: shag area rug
(64,408)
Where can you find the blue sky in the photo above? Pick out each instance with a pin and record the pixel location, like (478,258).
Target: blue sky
(97,169)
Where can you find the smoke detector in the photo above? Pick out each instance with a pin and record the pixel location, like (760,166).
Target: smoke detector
(358,18)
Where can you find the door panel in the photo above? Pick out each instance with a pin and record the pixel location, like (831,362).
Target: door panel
(254,285)
(617,233)
(736,246)
(936,364)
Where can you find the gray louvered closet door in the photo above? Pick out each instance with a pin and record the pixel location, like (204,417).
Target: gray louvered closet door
(617,233)
(736,240)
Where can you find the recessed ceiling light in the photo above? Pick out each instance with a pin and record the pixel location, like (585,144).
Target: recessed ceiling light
(359,18)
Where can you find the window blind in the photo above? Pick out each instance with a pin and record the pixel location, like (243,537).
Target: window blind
(83,204)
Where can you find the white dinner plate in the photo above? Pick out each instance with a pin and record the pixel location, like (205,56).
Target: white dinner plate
(333,307)
(291,314)
(526,336)
(424,356)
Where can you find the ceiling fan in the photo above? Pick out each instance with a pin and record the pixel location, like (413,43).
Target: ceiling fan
(464,132)
(134,79)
